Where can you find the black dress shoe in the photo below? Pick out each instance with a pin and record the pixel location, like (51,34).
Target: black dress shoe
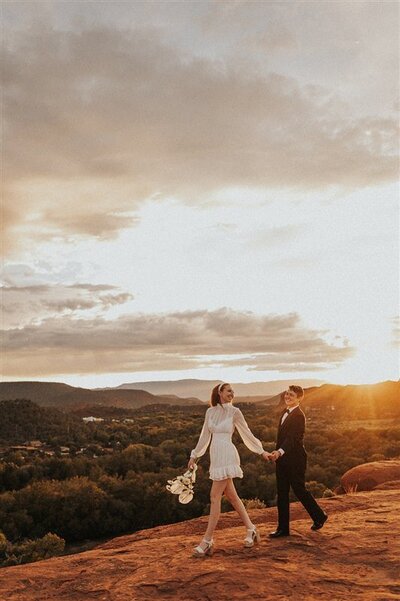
(318,525)
(278,533)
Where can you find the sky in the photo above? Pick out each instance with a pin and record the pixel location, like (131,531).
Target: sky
(200,190)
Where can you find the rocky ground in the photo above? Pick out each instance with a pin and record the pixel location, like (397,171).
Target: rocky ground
(356,556)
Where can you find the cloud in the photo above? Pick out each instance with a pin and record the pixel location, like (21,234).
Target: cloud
(396,331)
(98,120)
(24,305)
(139,342)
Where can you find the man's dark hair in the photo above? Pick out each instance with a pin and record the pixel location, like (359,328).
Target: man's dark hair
(299,392)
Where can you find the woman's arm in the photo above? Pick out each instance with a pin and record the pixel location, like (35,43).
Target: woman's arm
(204,440)
(248,437)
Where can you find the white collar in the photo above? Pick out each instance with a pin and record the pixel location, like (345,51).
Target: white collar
(290,409)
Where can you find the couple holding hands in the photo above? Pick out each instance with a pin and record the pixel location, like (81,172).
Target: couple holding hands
(290,459)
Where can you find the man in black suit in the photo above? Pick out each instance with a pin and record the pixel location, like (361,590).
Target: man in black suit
(291,459)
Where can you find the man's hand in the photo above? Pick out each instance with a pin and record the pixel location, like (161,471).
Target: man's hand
(274,455)
(191,463)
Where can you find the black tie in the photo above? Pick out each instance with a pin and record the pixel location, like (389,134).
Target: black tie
(285,413)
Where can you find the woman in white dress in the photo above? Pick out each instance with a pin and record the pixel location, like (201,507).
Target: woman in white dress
(220,421)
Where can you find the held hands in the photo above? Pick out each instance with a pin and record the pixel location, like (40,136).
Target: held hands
(271,456)
(274,456)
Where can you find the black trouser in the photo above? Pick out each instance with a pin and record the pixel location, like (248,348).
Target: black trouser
(292,474)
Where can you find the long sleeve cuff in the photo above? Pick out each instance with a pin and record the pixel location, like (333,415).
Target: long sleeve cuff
(281,451)
(193,455)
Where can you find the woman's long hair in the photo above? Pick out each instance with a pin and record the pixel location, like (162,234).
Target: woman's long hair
(215,398)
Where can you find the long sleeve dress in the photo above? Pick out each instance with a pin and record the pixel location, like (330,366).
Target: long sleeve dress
(219,424)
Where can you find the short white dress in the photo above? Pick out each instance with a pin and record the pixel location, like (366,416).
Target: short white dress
(219,424)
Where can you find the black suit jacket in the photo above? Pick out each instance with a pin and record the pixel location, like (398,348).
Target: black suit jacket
(290,437)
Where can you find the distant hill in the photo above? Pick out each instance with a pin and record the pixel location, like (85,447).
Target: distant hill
(376,400)
(173,399)
(201,389)
(62,396)
(265,400)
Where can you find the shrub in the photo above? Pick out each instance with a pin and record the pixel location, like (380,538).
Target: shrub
(254,503)
(377,457)
(317,489)
(3,544)
(28,550)
(350,488)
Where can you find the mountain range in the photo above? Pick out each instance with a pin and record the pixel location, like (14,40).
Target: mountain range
(378,399)
(54,394)
(201,389)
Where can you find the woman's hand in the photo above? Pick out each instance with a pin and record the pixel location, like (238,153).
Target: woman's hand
(191,463)
(267,456)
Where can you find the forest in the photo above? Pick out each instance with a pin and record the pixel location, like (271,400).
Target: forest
(92,481)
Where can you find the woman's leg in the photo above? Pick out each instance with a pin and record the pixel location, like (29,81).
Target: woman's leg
(217,489)
(236,502)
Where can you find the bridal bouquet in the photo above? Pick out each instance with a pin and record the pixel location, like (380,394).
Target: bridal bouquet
(183,485)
